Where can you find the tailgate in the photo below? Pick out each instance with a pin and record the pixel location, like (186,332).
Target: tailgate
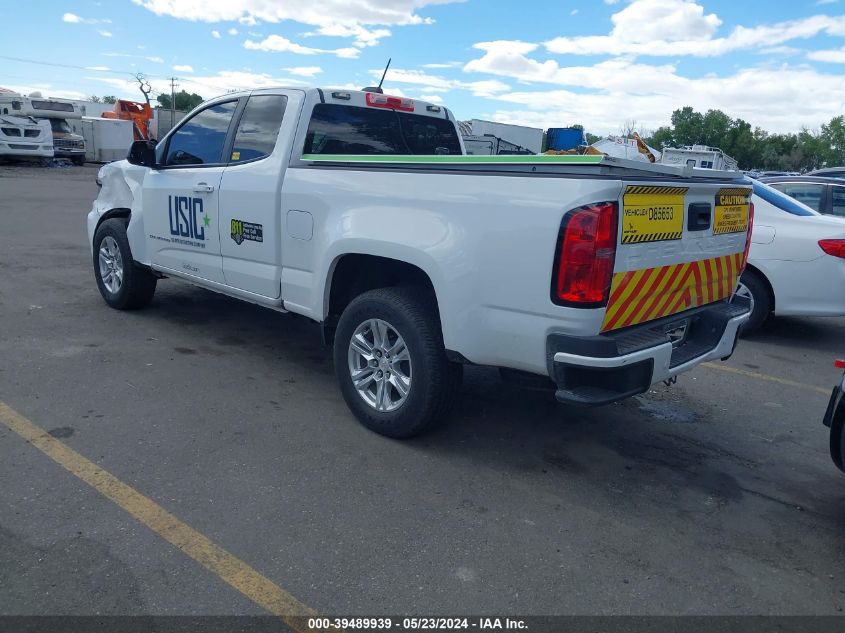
(680,247)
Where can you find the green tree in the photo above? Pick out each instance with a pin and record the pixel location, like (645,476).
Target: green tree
(755,148)
(110,99)
(184,101)
(688,126)
(94,98)
(832,141)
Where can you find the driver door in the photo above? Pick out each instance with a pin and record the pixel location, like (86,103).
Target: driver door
(181,195)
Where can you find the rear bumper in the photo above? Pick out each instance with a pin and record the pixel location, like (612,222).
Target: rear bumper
(602,369)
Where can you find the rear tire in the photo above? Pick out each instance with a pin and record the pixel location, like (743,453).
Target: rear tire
(752,285)
(405,395)
(123,284)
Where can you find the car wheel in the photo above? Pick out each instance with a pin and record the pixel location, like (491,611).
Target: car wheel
(837,436)
(391,364)
(123,284)
(752,287)
(79,160)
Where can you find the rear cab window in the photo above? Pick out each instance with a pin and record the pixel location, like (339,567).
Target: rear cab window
(346,129)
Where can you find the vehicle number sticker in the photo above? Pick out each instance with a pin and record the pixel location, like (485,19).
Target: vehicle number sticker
(652,214)
(731,214)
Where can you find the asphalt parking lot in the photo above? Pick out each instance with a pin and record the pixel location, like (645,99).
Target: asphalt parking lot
(715,496)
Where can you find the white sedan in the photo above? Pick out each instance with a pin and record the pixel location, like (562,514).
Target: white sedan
(796,265)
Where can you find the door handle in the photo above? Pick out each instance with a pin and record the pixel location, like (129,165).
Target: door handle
(203,187)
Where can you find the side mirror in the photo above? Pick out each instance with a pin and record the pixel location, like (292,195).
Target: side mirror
(142,153)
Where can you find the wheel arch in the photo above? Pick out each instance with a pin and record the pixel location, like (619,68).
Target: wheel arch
(765,279)
(354,273)
(117,212)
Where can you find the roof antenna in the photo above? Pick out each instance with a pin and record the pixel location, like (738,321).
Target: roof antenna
(383,75)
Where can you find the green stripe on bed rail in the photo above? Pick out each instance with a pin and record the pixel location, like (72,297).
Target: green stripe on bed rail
(455,160)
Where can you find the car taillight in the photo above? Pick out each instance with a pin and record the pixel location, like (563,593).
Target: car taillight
(377,100)
(833,247)
(585,257)
(748,236)
(840,364)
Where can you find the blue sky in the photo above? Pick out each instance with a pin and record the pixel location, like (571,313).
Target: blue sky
(602,63)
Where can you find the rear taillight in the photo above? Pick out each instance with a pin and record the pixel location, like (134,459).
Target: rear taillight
(585,257)
(833,247)
(748,236)
(377,100)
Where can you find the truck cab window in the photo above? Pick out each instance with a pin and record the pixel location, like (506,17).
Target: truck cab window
(258,127)
(200,140)
(339,129)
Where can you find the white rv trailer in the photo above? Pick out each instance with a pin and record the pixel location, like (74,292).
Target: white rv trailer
(25,137)
(106,139)
(700,156)
(62,114)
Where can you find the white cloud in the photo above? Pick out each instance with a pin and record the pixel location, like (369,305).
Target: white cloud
(434,83)
(47,89)
(279,44)
(326,12)
(215,34)
(99,68)
(443,65)
(105,33)
(363,36)
(183,68)
(681,27)
(772,98)
(207,85)
(72,18)
(232,31)
(573,12)
(156,60)
(341,18)
(432,98)
(304,71)
(835,56)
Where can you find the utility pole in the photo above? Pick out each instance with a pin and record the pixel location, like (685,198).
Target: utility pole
(172,102)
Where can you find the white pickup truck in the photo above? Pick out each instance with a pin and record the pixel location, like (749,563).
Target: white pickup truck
(360,211)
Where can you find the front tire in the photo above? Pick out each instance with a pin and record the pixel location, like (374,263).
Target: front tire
(752,286)
(78,160)
(123,284)
(391,364)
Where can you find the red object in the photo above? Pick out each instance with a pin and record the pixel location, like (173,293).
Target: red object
(748,236)
(377,100)
(840,364)
(833,247)
(584,268)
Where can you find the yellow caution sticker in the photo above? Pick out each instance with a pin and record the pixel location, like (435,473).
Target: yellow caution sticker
(236,155)
(652,214)
(731,215)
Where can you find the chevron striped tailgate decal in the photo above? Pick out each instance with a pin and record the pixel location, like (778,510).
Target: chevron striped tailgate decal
(638,296)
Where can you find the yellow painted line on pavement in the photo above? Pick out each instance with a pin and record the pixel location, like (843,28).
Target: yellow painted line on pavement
(217,560)
(767,377)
